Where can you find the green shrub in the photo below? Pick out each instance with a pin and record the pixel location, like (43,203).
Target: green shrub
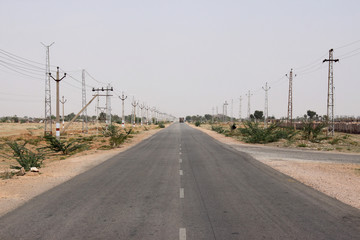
(302,145)
(312,131)
(253,133)
(119,138)
(161,125)
(218,129)
(335,141)
(197,123)
(65,147)
(24,156)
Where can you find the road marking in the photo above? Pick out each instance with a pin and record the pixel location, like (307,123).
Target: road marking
(180,149)
(181,192)
(182,233)
(180,153)
(181,172)
(180,160)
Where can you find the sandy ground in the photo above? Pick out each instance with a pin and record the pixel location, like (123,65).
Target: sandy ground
(16,191)
(338,180)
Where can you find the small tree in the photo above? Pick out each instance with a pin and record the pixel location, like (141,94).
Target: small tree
(26,158)
(311,114)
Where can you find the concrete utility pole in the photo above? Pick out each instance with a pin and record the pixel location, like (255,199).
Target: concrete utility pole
(123,98)
(47,117)
(232,108)
(63,108)
(141,106)
(249,106)
(212,117)
(240,100)
(57,79)
(84,113)
(108,105)
(134,104)
(330,97)
(225,110)
(290,98)
(147,114)
(266,108)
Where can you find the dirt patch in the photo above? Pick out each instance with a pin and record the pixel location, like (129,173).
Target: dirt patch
(16,191)
(338,180)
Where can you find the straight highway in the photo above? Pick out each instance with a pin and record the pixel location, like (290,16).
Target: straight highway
(182,184)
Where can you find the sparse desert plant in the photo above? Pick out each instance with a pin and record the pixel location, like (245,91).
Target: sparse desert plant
(312,131)
(119,138)
(25,157)
(218,129)
(253,133)
(65,147)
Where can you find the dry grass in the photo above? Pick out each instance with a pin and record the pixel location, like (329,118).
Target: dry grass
(33,133)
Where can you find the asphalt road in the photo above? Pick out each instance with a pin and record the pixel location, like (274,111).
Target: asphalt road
(182,184)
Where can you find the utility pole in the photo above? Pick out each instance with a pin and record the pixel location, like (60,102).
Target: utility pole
(63,108)
(108,105)
(225,110)
(141,106)
(212,118)
(47,117)
(249,106)
(240,99)
(84,113)
(153,109)
(290,98)
(266,109)
(147,114)
(58,79)
(122,98)
(330,97)
(232,108)
(134,104)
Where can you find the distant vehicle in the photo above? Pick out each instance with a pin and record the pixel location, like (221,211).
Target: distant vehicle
(181,120)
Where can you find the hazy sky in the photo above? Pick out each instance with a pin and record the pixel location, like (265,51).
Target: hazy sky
(183,57)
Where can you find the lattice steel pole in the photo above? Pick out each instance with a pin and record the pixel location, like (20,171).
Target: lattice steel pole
(290,98)
(47,117)
(84,113)
(266,108)
(330,97)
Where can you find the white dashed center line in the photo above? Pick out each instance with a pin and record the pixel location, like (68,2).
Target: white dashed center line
(181,172)
(182,234)
(181,192)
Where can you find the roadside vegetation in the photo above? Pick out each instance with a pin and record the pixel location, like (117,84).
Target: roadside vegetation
(31,148)
(309,132)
